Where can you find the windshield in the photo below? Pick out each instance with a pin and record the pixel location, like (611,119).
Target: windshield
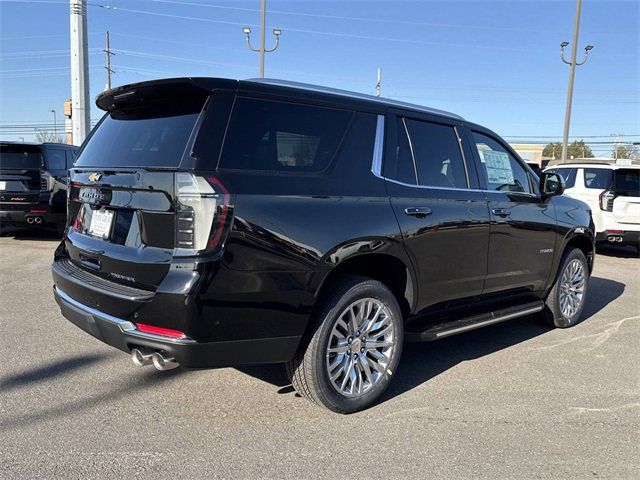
(627,180)
(16,157)
(142,136)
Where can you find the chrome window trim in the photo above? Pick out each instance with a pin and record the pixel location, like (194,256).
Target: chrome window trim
(456,189)
(413,156)
(378,146)
(124,325)
(464,158)
(376,165)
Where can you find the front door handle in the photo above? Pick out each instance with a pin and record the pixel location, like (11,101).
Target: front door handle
(418,211)
(501,212)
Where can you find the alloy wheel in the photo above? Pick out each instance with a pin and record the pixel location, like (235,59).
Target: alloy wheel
(361,347)
(572,286)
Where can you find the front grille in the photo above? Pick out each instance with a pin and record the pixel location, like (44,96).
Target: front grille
(67,269)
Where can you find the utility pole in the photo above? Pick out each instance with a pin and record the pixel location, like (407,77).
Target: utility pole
(55,123)
(378,86)
(79,70)
(572,72)
(616,142)
(107,65)
(276,32)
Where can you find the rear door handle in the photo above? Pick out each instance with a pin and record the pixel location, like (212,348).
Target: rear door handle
(418,211)
(501,212)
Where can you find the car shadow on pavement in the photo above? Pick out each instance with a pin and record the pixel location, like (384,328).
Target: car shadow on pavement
(139,383)
(423,361)
(50,371)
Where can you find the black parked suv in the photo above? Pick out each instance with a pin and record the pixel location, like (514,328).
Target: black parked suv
(33,183)
(217,222)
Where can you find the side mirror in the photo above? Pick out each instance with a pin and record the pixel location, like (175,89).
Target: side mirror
(551,184)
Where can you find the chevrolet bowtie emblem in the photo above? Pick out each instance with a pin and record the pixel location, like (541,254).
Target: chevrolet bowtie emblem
(94,177)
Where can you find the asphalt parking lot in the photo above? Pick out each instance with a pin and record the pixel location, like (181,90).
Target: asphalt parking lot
(516,400)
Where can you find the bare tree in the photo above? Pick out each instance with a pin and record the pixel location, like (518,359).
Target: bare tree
(46,136)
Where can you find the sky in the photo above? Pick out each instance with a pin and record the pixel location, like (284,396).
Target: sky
(496,63)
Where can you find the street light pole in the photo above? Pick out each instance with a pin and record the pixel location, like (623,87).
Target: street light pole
(55,123)
(572,72)
(262,50)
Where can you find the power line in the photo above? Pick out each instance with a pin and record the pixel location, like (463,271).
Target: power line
(314,32)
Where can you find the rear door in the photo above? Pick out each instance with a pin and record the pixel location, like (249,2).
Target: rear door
(442,215)
(523,226)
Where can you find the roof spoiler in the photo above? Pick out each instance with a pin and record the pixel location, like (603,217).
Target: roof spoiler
(156,89)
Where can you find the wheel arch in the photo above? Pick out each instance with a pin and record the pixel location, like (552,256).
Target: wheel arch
(584,242)
(393,272)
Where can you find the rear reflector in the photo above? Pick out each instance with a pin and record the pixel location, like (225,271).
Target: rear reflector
(165,332)
(614,231)
(37,211)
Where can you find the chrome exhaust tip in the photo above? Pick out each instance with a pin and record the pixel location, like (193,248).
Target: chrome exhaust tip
(38,220)
(619,239)
(611,239)
(30,220)
(163,362)
(141,356)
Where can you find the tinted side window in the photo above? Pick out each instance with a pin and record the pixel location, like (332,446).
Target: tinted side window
(401,167)
(502,172)
(437,155)
(55,159)
(275,136)
(598,178)
(568,174)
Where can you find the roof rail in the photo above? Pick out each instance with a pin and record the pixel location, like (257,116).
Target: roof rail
(350,94)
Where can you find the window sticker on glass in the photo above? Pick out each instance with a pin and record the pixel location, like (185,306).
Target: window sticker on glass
(497,165)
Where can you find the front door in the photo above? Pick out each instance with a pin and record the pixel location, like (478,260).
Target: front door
(444,221)
(523,225)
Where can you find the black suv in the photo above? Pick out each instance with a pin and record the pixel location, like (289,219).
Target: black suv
(217,222)
(33,183)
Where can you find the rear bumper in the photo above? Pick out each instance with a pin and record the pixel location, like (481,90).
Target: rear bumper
(623,237)
(20,213)
(124,336)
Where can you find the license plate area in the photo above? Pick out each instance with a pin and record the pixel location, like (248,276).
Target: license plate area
(101,223)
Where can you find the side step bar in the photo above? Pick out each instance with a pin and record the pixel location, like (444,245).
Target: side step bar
(441,330)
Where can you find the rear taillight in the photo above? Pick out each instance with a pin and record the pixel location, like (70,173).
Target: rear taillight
(202,213)
(606,200)
(45,182)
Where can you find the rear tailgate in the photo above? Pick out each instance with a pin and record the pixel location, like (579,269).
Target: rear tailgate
(19,175)
(122,225)
(626,185)
(627,210)
(122,204)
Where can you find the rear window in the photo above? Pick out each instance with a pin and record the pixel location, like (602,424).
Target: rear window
(272,136)
(13,157)
(568,174)
(597,178)
(153,135)
(627,181)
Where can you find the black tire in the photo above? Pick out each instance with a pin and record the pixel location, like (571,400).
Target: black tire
(553,313)
(309,372)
